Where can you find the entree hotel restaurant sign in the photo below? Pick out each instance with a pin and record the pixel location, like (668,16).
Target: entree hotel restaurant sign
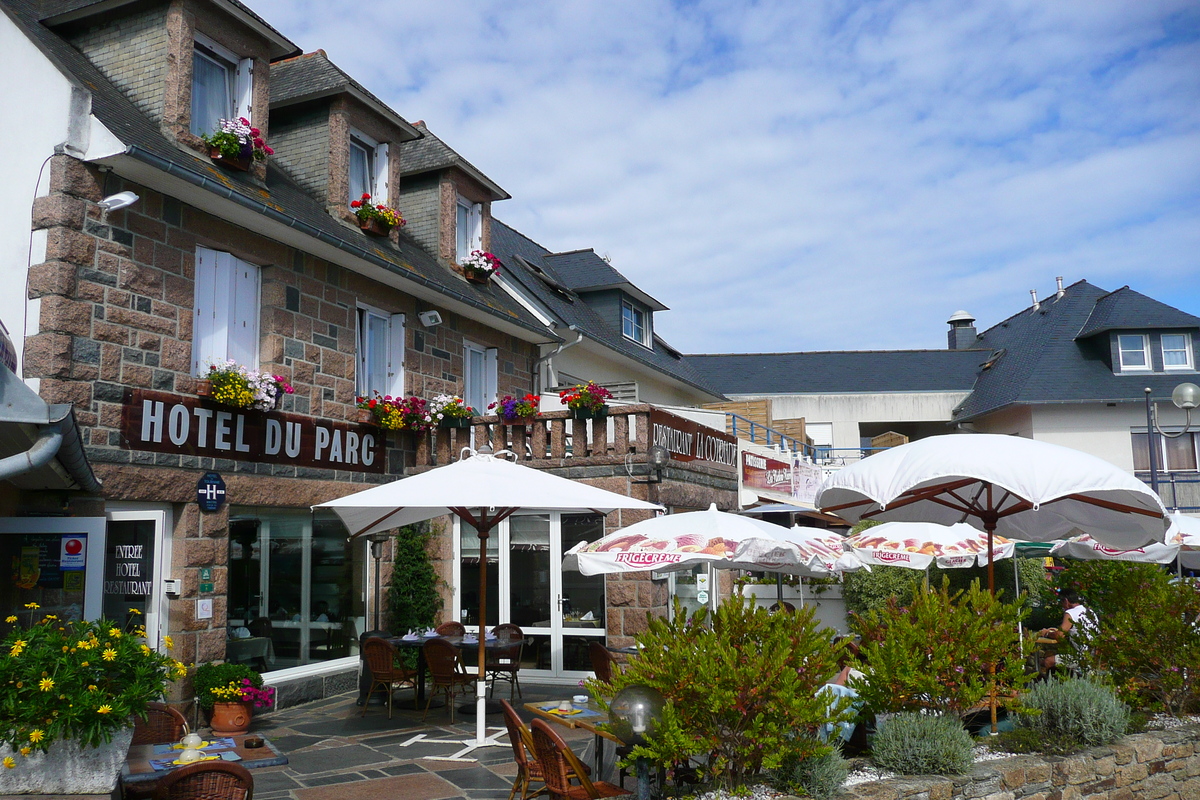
(168,423)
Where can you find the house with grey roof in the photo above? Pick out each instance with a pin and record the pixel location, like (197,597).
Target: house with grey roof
(1074,369)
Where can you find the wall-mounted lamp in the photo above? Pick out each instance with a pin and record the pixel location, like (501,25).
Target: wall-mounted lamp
(656,460)
(116,202)
(430,319)
(1186,397)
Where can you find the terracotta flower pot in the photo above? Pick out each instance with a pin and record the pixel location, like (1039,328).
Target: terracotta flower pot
(240,163)
(231,719)
(366,416)
(373,226)
(476,275)
(204,388)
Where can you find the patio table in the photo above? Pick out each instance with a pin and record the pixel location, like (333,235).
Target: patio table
(589,718)
(138,769)
(460,642)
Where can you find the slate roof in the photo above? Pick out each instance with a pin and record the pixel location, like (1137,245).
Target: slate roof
(430,154)
(841,372)
(1126,309)
(313,75)
(508,243)
(1043,357)
(283,199)
(583,271)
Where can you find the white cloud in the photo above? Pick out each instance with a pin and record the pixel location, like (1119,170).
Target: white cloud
(813,175)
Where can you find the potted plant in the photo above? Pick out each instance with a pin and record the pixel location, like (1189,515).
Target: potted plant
(450,411)
(479,267)
(395,413)
(237,144)
(586,401)
(231,384)
(68,693)
(378,219)
(514,411)
(230,693)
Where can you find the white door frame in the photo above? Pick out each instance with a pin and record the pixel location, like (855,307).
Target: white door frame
(158,615)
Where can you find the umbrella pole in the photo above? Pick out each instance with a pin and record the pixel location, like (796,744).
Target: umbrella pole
(989,525)
(1017,589)
(481,683)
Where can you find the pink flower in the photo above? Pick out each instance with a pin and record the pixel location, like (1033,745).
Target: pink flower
(268,150)
(258,142)
(255,132)
(244,121)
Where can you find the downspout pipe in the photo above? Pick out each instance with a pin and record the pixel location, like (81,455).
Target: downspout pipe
(37,456)
(537,365)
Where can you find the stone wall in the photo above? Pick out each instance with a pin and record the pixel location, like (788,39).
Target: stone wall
(1160,765)
(131,51)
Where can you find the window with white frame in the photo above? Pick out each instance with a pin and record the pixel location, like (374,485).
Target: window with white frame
(221,86)
(225,326)
(380,353)
(480,376)
(368,168)
(1177,351)
(468,228)
(1171,455)
(634,324)
(1134,351)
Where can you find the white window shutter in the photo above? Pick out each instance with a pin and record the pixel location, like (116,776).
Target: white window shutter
(395,377)
(476,226)
(380,177)
(243,326)
(204,336)
(244,89)
(491,384)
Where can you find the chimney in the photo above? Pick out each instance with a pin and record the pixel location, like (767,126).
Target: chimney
(1036,304)
(961,335)
(1058,295)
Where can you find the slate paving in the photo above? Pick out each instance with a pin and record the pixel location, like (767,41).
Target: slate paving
(336,754)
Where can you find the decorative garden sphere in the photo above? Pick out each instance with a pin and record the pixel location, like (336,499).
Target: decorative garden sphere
(634,712)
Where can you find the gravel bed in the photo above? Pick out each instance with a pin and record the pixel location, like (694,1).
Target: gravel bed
(1165,722)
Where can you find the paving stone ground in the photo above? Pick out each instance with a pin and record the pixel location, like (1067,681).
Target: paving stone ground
(335,753)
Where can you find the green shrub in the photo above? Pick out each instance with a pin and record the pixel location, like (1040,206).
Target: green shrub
(933,654)
(1078,709)
(1109,586)
(1027,740)
(923,744)
(412,600)
(819,775)
(216,676)
(741,692)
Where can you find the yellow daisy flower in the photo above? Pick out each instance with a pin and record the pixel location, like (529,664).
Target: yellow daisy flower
(34,606)
(26,750)
(109,654)
(145,650)
(134,611)
(36,735)
(114,633)
(46,684)
(169,642)
(92,687)
(83,664)
(13,618)
(104,709)
(10,762)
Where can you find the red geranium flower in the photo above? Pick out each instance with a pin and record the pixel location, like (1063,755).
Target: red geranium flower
(355,203)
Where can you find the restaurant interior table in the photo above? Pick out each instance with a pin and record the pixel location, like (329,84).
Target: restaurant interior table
(139,771)
(241,651)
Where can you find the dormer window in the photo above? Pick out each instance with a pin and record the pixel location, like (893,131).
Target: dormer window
(368,168)
(1177,351)
(1134,351)
(634,324)
(468,228)
(221,86)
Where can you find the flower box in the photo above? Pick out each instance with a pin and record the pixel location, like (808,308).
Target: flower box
(477,275)
(365,416)
(240,163)
(373,226)
(454,422)
(204,388)
(599,412)
(67,767)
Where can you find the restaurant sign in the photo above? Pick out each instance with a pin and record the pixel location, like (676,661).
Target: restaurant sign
(168,423)
(764,472)
(685,440)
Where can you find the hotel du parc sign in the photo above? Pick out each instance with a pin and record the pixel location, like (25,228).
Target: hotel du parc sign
(168,423)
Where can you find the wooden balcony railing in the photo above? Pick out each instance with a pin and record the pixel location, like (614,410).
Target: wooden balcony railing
(552,437)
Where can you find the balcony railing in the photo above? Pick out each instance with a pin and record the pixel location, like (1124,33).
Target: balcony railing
(553,436)
(1180,491)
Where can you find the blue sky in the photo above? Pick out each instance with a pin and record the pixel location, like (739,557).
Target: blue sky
(813,175)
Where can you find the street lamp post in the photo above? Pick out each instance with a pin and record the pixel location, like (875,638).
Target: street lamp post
(1186,396)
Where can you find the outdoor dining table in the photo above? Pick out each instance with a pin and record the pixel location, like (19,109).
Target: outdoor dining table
(586,717)
(460,642)
(138,769)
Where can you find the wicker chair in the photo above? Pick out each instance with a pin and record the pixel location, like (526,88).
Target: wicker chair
(528,768)
(162,724)
(380,656)
(503,662)
(560,764)
(446,670)
(451,628)
(207,780)
(602,661)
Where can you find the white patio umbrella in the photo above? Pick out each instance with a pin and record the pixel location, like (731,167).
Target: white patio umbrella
(1185,531)
(1085,548)
(917,545)
(1020,488)
(482,490)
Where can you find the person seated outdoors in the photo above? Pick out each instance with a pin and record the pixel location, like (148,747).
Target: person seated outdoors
(1075,614)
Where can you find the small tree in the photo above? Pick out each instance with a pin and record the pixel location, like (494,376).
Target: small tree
(412,597)
(934,653)
(741,693)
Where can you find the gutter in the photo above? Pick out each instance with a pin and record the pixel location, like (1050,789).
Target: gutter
(259,207)
(537,364)
(50,439)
